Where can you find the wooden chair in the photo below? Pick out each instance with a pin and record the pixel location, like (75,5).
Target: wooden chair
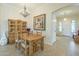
(24,47)
(76,39)
(39,41)
(39,33)
(37,44)
(17,43)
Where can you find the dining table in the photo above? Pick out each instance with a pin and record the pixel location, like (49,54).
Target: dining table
(35,43)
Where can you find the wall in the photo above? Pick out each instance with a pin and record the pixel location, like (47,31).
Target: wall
(47,32)
(0,22)
(58,33)
(67,25)
(8,11)
(77,20)
(50,30)
(11,11)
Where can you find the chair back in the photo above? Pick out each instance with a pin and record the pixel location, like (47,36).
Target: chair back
(39,33)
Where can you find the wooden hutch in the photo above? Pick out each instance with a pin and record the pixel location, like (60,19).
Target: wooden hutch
(15,29)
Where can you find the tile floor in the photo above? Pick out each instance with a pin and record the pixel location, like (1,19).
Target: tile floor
(64,46)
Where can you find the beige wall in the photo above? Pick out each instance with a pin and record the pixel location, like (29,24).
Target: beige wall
(77,23)
(67,25)
(12,11)
(0,22)
(8,11)
(49,32)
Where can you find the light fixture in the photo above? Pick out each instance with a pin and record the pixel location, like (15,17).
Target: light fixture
(24,12)
(65,19)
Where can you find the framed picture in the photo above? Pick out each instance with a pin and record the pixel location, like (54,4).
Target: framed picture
(39,22)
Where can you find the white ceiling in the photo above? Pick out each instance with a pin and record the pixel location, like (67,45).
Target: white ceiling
(33,6)
(71,10)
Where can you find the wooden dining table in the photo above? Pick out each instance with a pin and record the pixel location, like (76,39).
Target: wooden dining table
(33,40)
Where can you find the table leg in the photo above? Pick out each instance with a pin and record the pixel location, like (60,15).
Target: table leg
(30,49)
(42,44)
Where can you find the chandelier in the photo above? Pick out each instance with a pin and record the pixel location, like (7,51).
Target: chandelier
(24,12)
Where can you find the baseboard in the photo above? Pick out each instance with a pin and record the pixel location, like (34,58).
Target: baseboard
(49,42)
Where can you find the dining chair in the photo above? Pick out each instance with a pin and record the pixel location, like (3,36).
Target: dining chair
(17,43)
(76,39)
(24,47)
(39,32)
(37,44)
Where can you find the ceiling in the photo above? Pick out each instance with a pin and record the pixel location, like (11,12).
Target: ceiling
(72,10)
(33,6)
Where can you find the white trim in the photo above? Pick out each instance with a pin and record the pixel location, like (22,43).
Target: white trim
(49,43)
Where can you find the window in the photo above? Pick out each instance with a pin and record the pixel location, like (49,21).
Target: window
(60,27)
(73,26)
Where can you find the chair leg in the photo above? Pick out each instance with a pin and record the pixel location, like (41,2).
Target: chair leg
(26,52)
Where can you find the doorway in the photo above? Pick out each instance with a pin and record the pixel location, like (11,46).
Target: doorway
(67,20)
